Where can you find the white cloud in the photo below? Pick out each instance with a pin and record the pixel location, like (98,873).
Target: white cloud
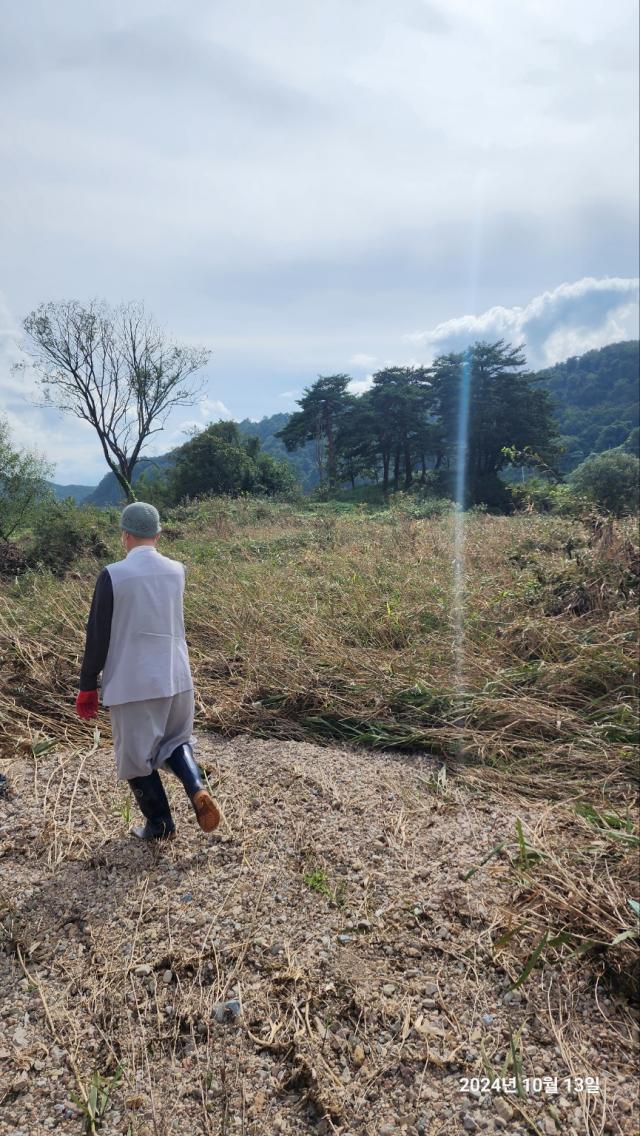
(211,409)
(289,394)
(359,386)
(567,320)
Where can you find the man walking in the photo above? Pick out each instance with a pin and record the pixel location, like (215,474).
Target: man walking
(135,637)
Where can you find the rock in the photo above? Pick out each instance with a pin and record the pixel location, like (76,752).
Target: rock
(343,939)
(143,970)
(503,1108)
(468,1123)
(167,977)
(512,998)
(388,989)
(358,1056)
(20,1037)
(430,988)
(227,1011)
(549,1126)
(488,1019)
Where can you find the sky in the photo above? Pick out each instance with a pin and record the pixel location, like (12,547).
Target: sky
(307,188)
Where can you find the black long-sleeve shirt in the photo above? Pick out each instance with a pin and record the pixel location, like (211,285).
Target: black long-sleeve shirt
(98,632)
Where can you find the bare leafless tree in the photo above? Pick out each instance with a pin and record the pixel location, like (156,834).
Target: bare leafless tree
(116,370)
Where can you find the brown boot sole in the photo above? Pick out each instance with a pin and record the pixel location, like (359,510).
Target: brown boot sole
(207,812)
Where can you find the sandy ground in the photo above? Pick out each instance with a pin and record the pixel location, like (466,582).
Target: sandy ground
(318,965)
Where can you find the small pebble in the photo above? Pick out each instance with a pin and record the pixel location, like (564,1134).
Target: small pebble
(512,998)
(226,1011)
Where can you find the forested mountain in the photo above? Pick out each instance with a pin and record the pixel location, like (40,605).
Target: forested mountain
(595,399)
(78,492)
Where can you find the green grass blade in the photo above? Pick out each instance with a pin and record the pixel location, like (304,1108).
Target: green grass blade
(531,962)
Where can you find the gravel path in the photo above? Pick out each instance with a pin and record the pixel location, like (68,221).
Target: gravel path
(318,965)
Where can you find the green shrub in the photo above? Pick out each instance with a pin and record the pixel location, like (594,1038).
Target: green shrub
(566,502)
(62,532)
(536,493)
(432,507)
(22,484)
(610,480)
(541,496)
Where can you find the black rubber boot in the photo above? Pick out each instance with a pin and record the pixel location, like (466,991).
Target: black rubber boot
(154,806)
(183,765)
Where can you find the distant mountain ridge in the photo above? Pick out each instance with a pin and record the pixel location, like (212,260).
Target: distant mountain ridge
(595,396)
(109,492)
(78,492)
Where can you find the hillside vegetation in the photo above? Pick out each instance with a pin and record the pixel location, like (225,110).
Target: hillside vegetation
(456,898)
(594,398)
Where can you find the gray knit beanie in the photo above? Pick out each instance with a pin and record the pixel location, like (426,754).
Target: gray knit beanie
(140,519)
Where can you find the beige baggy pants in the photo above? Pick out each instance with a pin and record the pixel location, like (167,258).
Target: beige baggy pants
(146,733)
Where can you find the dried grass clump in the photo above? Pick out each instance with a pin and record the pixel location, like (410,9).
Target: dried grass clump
(575,899)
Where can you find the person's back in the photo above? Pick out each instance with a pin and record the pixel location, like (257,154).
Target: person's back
(147,656)
(135,637)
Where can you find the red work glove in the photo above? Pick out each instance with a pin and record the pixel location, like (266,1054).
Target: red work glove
(87,704)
